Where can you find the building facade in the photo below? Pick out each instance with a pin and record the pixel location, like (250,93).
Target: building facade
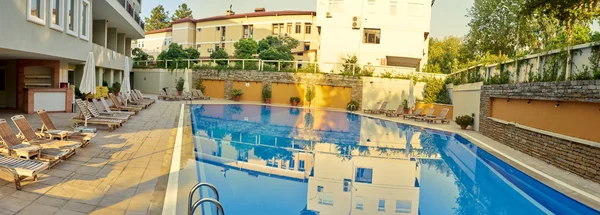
(45,44)
(221,32)
(379,32)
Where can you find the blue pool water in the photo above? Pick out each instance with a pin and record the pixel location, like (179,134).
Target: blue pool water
(275,160)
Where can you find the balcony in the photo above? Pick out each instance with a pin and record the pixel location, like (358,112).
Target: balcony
(121,14)
(107,58)
(131,11)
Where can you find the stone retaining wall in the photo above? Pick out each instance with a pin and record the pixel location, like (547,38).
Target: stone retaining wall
(281,77)
(575,157)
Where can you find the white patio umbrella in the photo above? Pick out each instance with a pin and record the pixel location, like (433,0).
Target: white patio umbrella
(411,96)
(125,87)
(409,134)
(88,80)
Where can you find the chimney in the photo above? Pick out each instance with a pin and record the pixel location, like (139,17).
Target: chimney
(229,13)
(259,9)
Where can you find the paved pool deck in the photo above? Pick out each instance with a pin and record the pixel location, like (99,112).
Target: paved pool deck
(126,171)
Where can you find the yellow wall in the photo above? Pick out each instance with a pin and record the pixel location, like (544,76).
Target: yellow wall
(335,97)
(283,91)
(252,92)
(437,108)
(154,43)
(576,119)
(214,89)
(184,34)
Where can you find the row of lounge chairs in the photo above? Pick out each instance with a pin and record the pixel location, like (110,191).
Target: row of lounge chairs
(99,112)
(31,151)
(380,108)
(172,94)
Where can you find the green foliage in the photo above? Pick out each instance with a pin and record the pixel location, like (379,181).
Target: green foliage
(405,104)
(192,53)
(351,66)
(310,94)
(179,84)
(352,106)
(105,83)
(464,120)
(220,54)
(78,93)
(266,92)
(139,54)
(444,96)
(433,87)
(199,85)
(177,56)
(159,19)
(116,87)
(297,99)
(309,68)
(245,48)
(444,55)
(503,77)
(368,70)
(236,92)
(388,73)
(276,48)
(183,11)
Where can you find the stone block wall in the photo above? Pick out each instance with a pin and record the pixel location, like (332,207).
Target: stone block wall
(580,158)
(282,77)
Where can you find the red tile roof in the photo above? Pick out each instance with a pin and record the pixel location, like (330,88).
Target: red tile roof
(159,31)
(244,15)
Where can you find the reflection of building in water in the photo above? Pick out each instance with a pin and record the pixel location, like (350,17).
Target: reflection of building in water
(363,185)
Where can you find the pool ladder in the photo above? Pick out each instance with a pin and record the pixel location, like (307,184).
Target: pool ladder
(192,207)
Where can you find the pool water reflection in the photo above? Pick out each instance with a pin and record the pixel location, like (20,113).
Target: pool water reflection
(275,160)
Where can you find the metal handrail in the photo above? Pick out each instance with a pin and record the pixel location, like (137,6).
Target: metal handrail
(214,201)
(197,186)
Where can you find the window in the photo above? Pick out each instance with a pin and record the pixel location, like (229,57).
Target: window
(223,46)
(198,47)
(242,156)
(85,20)
(306,46)
(336,6)
(248,30)
(36,11)
(403,206)
(56,15)
(359,203)
(381,205)
(307,28)
(291,166)
(71,20)
(326,198)
(372,36)
(140,44)
(393,8)
(275,29)
(415,10)
(288,30)
(224,31)
(217,48)
(298,28)
(364,175)
(301,165)
(281,26)
(371,7)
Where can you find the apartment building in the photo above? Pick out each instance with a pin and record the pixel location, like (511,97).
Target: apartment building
(45,44)
(378,32)
(221,32)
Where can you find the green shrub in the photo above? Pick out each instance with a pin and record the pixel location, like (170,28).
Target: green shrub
(105,83)
(179,84)
(387,74)
(266,92)
(352,106)
(199,85)
(464,120)
(297,99)
(310,94)
(236,92)
(116,87)
(433,87)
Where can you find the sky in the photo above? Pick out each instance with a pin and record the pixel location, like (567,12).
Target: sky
(448,16)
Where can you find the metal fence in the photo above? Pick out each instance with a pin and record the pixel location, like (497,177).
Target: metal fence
(287,66)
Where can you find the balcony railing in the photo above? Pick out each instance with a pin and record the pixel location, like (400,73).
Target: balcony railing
(134,14)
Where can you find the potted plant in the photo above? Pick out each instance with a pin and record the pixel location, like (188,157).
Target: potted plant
(295,101)
(352,106)
(236,94)
(116,88)
(309,95)
(464,121)
(266,94)
(405,105)
(179,85)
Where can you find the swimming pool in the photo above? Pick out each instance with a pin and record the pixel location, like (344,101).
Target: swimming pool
(277,160)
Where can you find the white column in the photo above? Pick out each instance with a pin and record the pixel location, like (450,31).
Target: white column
(111,79)
(100,76)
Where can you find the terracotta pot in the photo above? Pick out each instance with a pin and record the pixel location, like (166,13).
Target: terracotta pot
(406,110)
(236,98)
(116,93)
(179,93)
(294,103)
(268,101)
(464,127)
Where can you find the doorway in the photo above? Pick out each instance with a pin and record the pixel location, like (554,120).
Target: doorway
(2,87)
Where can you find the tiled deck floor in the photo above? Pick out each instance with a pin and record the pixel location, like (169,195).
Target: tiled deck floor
(120,172)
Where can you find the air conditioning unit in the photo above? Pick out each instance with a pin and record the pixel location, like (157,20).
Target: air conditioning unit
(286,35)
(245,36)
(210,50)
(222,38)
(328,15)
(355,22)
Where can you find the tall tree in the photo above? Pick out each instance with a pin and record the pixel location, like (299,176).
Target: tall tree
(159,19)
(443,56)
(245,48)
(183,11)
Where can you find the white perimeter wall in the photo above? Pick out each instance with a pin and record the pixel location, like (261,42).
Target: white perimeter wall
(466,100)
(151,81)
(394,91)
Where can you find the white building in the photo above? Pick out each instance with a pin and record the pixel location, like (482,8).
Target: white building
(379,32)
(45,43)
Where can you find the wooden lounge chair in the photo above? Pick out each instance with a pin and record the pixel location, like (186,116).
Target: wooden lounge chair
(414,114)
(52,155)
(162,95)
(396,113)
(49,130)
(21,169)
(134,99)
(422,117)
(104,109)
(96,114)
(376,107)
(116,107)
(441,117)
(29,136)
(172,93)
(85,114)
(141,97)
(200,95)
(119,105)
(381,109)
